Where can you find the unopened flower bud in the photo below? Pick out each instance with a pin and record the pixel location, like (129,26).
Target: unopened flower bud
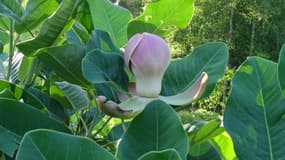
(147,56)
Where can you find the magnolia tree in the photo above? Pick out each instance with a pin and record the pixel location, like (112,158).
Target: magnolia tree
(83,79)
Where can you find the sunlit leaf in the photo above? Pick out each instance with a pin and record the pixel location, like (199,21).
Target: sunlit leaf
(36,11)
(163,17)
(111,18)
(52,28)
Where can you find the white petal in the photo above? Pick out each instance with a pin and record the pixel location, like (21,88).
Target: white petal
(192,93)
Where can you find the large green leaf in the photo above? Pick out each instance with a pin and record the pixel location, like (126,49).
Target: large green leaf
(155,129)
(11,8)
(65,61)
(102,67)
(75,94)
(45,144)
(254,114)
(36,12)
(281,69)
(17,118)
(20,118)
(111,18)
(211,58)
(162,17)
(52,28)
(167,154)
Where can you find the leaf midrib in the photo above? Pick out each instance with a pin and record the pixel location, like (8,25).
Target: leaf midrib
(264,114)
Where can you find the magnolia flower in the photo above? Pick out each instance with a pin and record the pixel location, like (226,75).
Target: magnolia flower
(147,56)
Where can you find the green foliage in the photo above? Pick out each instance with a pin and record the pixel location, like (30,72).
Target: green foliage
(65,60)
(155,121)
(105,17)
(164,20)
(51,30)
(61,55)
(168,154)
(36,11)
(218,98)
(281,67)
(232,22)
(255,109)
(210,58)
(33,146)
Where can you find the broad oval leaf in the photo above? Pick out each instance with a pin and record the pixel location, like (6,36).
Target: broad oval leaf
(111,18)
(65,61)
(52,28)
(17,118)
(20,118)
(211,58)
(254,114)
(58,146)
(167,154)
(162,17)
(162,129)
(281,69)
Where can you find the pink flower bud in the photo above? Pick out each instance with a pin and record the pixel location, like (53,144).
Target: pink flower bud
(147,56)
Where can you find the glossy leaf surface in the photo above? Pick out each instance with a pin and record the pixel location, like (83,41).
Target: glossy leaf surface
(162,129)
(254,114)
(211,58)
(102,67)
(65,61)
(60,146)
